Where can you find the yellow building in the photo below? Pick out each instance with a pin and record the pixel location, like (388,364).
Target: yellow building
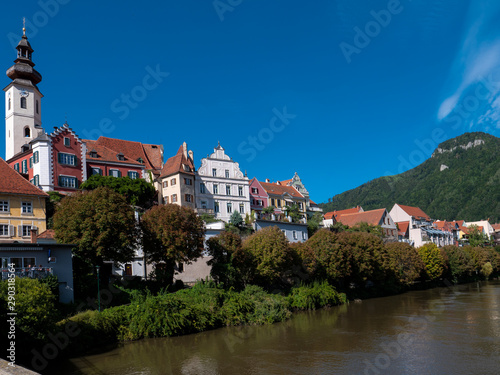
(22,206)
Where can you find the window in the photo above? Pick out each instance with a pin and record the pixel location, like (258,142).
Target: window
(16,167)
(174,198)
(272,202)
(96,170)
(278,202)
(24,165)
(165,200)
(173,181)
(228,189)
(115,173)
(23,103)
(37,107)
(31,162)
(300,205)
(284,231)
(216,189)
(120,157)
(204,204)
(18,262)
(67,142)
(294,235)
(240,191)
(255,191)
(24,230)
(67,181)
(140,160)
(304,236)
(216,207)
(9,104)
(36,158)
(202,188)
(214,172)
(227,173)
(27,207)
(188,198)
(242,208)
(229,208)
(4,230)
(260,203)
(27,132)
(4,206)
(93,154)
(67,159)
(165,184)
(188,181)
(35,180)
(27,262)
(133,175)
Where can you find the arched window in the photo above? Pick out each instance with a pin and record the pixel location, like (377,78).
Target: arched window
(9,104)
(27,132)
(23,103)
(37,107)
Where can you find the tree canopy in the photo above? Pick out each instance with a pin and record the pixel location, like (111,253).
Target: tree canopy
(137,192)
(100,223)
(172,234)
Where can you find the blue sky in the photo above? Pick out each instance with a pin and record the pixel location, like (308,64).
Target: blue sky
(339,91)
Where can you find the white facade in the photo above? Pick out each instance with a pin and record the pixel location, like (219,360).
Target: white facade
(42,167)
(22,125)
(487,228)
(221,186)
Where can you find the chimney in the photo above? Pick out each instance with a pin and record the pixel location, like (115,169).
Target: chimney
(267,180)
(33,234)
(185,150)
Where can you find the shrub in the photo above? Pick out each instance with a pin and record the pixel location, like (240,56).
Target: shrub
(309,297)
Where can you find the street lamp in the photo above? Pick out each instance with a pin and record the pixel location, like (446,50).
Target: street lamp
(98,291)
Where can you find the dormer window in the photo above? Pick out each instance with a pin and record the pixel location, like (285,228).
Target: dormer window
(25,148)
(120,157)
(186,167)
(93,154)
(139,160)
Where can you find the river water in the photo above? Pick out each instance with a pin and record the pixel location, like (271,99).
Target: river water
(452,330)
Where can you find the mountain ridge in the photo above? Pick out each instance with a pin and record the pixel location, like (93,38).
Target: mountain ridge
(461,180)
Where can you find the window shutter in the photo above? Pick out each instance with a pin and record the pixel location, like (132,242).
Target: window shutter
(119,173)
(31,162)
(11,231)
(19,230)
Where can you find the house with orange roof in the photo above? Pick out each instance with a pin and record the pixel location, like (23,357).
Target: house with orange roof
(330,218)
(177,179)
(259,199)
(420,226)
(496,234)
(296,182)
(282,196)
(22,206)
(379,217)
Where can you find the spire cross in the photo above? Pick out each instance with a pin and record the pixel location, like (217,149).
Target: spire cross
(24,26)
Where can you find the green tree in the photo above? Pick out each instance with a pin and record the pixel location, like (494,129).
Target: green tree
(35,306)
(231,265)
(137,192)
(313,223)
(433,260)
(294,212)
(476,237)
(403,262)
(236,219)
(271,255)
(367,228)
(460,262)
(172,234)
(100,223)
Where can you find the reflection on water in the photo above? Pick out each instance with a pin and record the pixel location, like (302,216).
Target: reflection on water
(440,331)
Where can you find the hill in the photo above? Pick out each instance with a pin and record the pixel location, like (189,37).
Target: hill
(461,180)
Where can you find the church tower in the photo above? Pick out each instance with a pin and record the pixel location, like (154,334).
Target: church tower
(23,120)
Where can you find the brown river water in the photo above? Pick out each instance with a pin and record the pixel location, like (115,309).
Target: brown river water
(452,330)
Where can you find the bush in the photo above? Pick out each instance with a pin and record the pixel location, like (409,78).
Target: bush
(310,297)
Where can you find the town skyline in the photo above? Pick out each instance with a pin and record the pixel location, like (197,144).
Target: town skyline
(263,112)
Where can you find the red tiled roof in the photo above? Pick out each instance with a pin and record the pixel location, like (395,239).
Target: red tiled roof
(373,217)
(174,164)
(105,154)
(467,229)
(403,227)
(414,211)
(280,189)
(134,150)
(12,182)
(49,234)
(285,182)
(496,227)
(311,201)
(347,211)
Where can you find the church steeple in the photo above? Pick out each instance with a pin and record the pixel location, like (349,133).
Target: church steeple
(23,120)
(23,67)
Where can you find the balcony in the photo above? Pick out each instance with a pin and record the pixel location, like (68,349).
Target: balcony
(32,273)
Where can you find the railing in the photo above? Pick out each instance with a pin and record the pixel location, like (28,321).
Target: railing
(208,211)
(32,273)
